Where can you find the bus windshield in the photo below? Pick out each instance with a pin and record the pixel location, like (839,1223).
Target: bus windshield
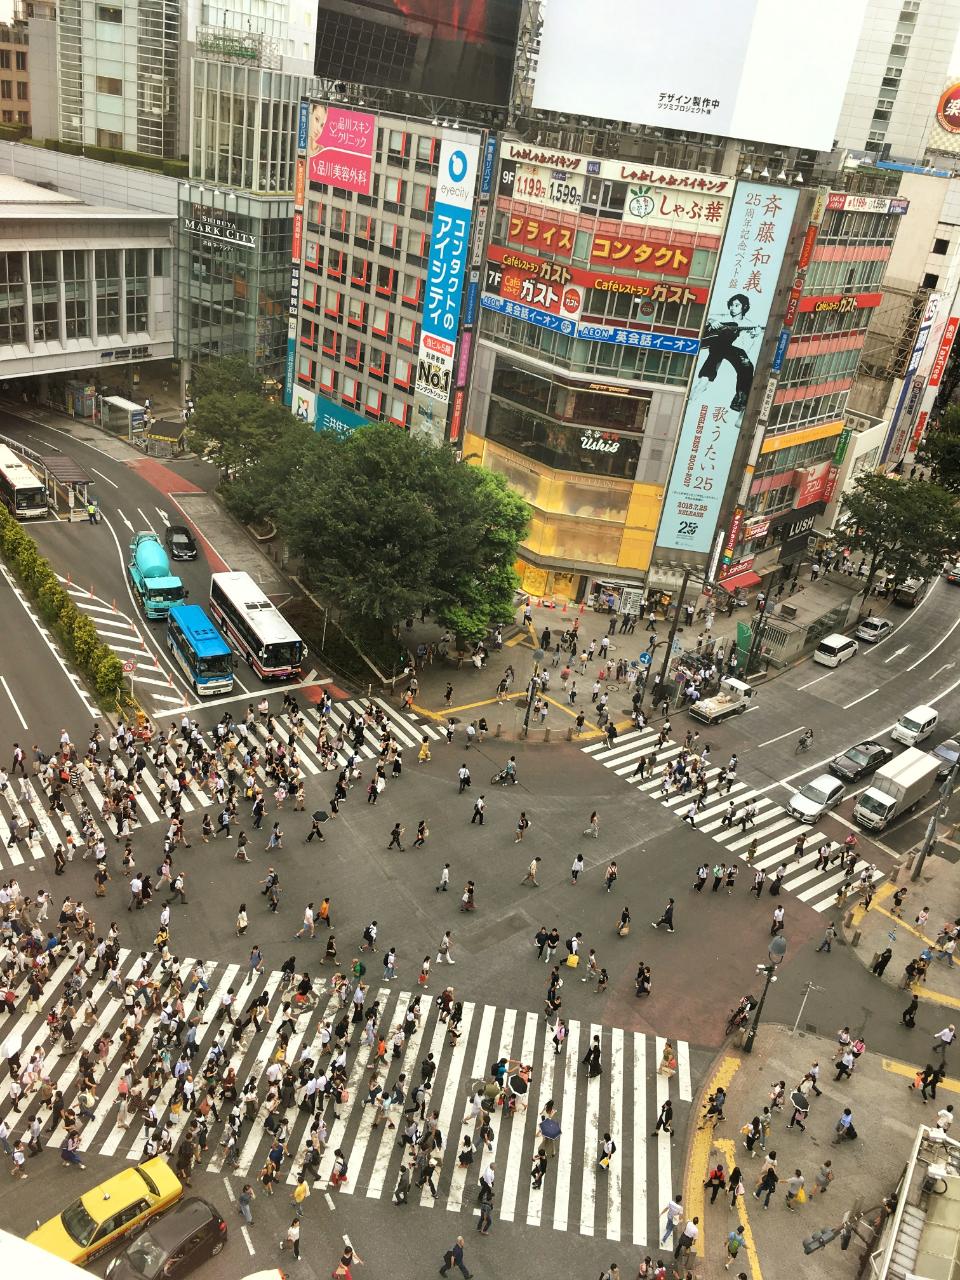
(220,664)
(29,498)
(285,655)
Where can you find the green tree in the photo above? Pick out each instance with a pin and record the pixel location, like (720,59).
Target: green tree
(234,424)
(905,526)
(384,521)
(107,673)
(940,450)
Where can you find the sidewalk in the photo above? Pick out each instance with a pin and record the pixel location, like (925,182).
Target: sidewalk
(474,691)
(938,889)
(865,1170)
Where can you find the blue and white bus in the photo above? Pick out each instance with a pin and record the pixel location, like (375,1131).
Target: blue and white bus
(200,649)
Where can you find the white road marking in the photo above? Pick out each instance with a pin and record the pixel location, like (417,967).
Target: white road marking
(896,655)
(947,666)
(13,702)
(163,516)
(812,682)
(103,477)
(124,519)
(640,1139)
(246,1238)
(781,736)
(865,696)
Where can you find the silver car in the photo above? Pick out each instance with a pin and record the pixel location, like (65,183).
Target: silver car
(811,802)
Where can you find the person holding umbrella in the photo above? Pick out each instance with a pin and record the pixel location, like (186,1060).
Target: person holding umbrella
(317,818)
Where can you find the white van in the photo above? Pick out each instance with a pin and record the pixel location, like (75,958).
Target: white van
(832,650)
(914,726)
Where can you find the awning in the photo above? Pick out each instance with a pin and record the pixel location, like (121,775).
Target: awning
(748,579)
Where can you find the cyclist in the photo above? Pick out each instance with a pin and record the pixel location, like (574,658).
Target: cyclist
(508,774)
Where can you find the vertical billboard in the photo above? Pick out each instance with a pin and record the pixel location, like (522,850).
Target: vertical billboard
(901,424)
(743,289)
(447,268)
(340,145)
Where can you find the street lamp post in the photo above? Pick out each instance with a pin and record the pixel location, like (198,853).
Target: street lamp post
(775,952)
(538,657)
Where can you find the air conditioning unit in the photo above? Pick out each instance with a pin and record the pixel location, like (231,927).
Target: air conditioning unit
(788,611)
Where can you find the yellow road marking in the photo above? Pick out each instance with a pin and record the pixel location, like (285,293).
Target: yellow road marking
(905,1069)
(729,1148)
(703,1142)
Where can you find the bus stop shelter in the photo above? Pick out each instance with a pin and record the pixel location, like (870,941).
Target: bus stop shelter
(68,485)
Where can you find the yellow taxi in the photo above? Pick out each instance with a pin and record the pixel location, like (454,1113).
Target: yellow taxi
(103,1216)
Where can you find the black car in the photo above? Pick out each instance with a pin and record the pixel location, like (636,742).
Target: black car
(172,1245)
(180,542)
(947,753)
(857,762)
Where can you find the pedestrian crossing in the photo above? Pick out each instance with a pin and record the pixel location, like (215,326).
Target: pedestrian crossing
(620,1203)
(774,830)
(155,690)
(24,800)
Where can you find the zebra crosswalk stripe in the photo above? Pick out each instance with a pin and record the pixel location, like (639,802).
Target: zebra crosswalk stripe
(773,828)
(577,1195)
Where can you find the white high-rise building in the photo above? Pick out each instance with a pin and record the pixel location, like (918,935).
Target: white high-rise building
(902,62)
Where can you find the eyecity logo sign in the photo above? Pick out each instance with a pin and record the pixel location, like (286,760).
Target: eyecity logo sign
(455,190)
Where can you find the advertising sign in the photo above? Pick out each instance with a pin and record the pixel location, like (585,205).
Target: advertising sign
(570,162)
(446,49)
(810,484)
(652,255)
(551,187)
(740,302)
(300,183)
(644,338)
(948,109)
(217,224)
(715,68)
(330,416)
(943,351)
(842,302)
(662,291)
(851,202)
(530,315)
(446,271)
(303,124)
(486,173)
(544,285)
(896,443)
(540,233)
(650,206)
(297,235)
(304,405)
(340,146)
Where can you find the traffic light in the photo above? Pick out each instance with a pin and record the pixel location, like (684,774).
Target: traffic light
(820,1239)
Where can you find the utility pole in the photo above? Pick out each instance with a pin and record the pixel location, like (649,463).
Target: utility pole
(946,791)
(757,635)
(673,629)
(775,952)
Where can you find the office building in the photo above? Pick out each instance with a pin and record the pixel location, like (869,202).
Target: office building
(15,67)
(901,62)
(85,289)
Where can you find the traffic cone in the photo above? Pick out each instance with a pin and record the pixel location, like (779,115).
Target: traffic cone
(114,606)
(564,609)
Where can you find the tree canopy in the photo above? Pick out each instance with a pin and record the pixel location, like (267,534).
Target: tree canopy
(905,526)
(381,521)
(384,522)
(940,450)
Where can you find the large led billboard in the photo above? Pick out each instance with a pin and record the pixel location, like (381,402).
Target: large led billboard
(460,49)
(755,69)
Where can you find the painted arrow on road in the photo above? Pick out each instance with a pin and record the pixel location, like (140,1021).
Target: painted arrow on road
(897,654)
(124,519)
(163,516)
(947,666)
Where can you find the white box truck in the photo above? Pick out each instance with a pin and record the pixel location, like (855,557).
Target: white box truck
(898,786)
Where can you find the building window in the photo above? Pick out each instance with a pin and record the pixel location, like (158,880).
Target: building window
(930,281)
(940,245)
(6,88)
(107,276)
(137,264)
(107,138)
(23,90)
(108,13)
(45,289)
(7,117)
(13,328)
(404,373)
(75,293)
(5,59)
(21,60)
(23,117)
(110,85)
